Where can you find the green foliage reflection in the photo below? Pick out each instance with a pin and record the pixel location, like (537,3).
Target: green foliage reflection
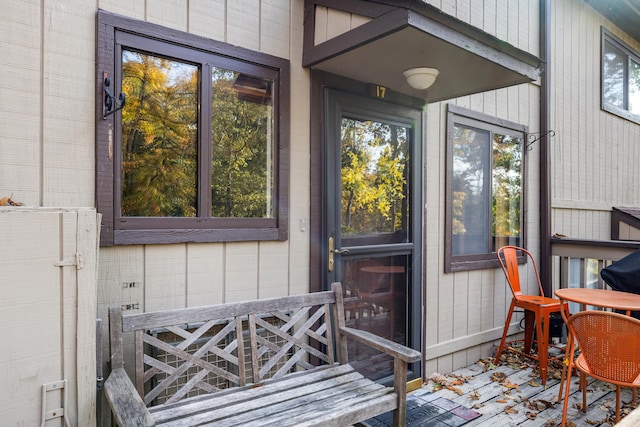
(241,167)
(159,136)
(374,183)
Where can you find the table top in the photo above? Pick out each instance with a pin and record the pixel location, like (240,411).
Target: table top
(383,269)
(601,297)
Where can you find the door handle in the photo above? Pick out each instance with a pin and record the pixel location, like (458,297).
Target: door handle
(331,255)
(332,252)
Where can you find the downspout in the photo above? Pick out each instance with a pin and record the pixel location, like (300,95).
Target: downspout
(545,167)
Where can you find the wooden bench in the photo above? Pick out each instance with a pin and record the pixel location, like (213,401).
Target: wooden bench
(280,361)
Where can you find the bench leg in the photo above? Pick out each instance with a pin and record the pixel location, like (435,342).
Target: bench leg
(400,387)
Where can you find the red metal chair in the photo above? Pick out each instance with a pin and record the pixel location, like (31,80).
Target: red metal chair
(609,346)
(537,309)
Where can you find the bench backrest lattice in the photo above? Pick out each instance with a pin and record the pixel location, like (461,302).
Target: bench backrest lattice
(187,352)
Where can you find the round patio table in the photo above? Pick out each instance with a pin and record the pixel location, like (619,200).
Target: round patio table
(384,269)
(607,298)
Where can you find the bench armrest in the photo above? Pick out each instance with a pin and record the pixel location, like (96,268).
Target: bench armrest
(384,345)
(126,404)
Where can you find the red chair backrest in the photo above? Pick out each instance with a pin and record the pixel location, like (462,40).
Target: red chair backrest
(609,342)
(508,257)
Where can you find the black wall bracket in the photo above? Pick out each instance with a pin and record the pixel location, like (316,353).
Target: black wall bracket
(537,136)
(110,104)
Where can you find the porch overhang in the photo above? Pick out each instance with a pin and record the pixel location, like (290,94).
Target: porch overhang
(396,36)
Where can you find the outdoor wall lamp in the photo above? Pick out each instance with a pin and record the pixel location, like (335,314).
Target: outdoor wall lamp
(421,78)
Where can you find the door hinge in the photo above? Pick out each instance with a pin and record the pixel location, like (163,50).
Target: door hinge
(76,260)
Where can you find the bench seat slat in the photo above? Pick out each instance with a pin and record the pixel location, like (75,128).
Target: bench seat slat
(250,394)
(337,402)
(318,374)
(301,403)
(328,416)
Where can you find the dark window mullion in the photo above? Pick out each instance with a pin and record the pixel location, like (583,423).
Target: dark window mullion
(625,81)
(204,132)
(490,194)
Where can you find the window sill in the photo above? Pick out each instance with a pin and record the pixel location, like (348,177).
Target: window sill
(148,237)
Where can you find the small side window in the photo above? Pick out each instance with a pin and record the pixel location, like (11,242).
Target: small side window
(620,78)
(484,199)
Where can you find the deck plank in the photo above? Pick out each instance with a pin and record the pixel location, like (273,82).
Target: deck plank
(529,404)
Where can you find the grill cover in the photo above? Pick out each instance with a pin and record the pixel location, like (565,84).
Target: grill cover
(624,275)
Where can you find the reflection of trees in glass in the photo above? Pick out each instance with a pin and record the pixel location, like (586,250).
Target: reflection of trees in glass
(621,79)
(634,87)
(507,185)
(159,136)
(160,140)
(486,189)
(241,145)
(468,198)
(613,81)
(373,169)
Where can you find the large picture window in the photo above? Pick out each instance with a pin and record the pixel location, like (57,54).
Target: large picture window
(620,78)
(199,151)
(484,199)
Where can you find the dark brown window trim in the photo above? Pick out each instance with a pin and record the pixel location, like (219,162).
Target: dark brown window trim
(117,230)
(480,261)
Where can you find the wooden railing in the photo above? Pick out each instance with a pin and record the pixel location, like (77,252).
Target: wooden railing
(577,263)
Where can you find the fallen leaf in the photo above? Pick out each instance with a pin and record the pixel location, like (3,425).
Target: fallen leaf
(455,390)
(510,410)
(438,378)
(6,201)
(511,385)
(540,404)
(501,401)
(498,377)
(474,395)
(487,364)
(514,398)
(532,415)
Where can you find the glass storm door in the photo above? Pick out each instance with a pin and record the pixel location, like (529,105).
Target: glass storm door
(373,219)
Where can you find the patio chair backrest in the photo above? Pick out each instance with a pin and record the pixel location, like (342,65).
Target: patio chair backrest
(609,343)
(508,258)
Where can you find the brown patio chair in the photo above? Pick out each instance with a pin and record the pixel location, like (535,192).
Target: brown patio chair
(609,346)
(537,309)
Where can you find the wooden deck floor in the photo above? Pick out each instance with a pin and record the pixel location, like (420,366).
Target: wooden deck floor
(511,395)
